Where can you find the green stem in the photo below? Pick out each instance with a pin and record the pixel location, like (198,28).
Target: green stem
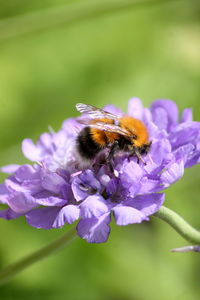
(179,224)
(65,15)
(166,214)
(9,272)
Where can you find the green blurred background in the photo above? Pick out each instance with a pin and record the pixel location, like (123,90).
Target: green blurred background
(54,54)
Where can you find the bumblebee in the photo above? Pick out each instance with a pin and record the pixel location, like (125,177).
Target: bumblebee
(105,130)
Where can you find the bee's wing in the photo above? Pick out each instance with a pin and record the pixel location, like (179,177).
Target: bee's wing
(111,128)
(94,112)
(85,121)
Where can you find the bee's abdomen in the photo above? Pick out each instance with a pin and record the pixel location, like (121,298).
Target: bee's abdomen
(86,145)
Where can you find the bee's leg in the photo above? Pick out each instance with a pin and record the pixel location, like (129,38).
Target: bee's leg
(129,157)
(113,149)
(139,158)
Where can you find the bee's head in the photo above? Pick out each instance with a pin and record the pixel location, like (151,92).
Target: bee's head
(144,149)
(140,151)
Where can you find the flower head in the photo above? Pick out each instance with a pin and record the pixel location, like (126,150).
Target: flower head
(55,190)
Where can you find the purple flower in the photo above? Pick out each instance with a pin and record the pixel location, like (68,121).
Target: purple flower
(55,190)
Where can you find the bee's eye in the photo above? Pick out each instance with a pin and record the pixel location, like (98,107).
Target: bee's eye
(144,149)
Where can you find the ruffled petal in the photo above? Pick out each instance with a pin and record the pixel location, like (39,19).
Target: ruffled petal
(148,185)
(113,110)
(13,186)
(51,201)
(31,151)
(9,169)
(20,202)
(184,133)
(167,110)
(187,115)
(131,173)
(130,176)
(71,127)
(27,172)
(135,108)
(193,159)
(52,181)
(4,193)
(160,118)
(94,230)
(160,150)
(45,141)
(85,184)
(80,191)
(43,217)
(125,215)
(184,153)
(52,217)
(9,214)
(147,204)
(93,206)
(172,173)
(68,214)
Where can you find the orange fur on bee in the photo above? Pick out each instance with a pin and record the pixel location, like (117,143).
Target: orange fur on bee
(102,138)
(137,127)
(132,125)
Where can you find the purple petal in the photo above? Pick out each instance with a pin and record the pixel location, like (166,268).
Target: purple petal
(38,152)
(21,203)
(171,110)
(80,192)
(160,118)
(187,115)
(148,185)
(160,150)
(14,186)
(71,127)
(26,172)
(32,186)
(52,182)
(193,159)
(152,129)
(135,108)
(125,215)
(187,132)
(93,206)
(43,217)
(45,140)
(173,173)
(131,173)
(147,204)
(9,169)
(184,152)
(51,201)
(84,184)
(4,193)
(113,110)
(9,214)
(88,178)
(94,230)
(68,214)
(112,186)
(31,151)
(52,217)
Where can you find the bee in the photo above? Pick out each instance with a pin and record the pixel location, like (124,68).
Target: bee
(104,130)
